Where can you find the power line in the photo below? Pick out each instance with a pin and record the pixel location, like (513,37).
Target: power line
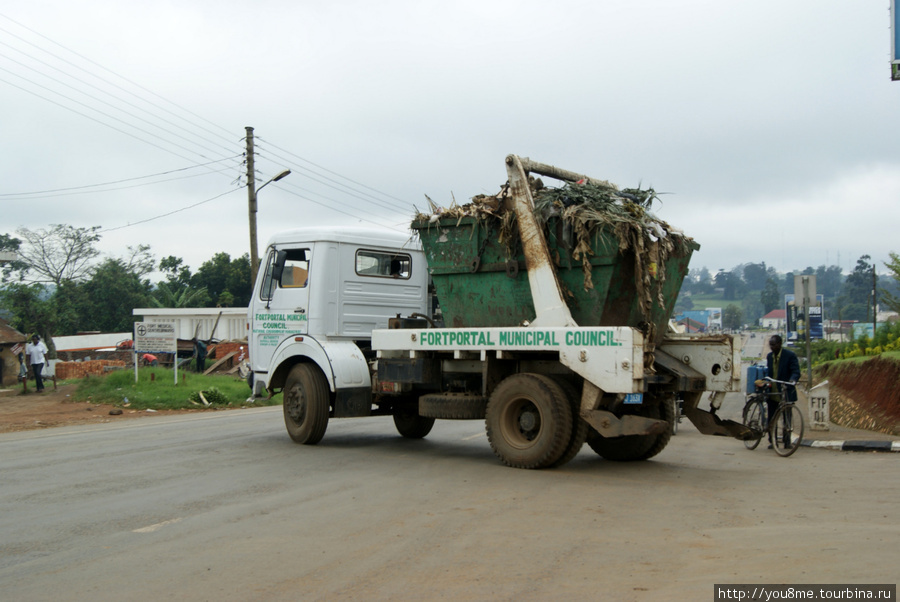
(150,219)
(94,119)
(360,191)
(341,211)
(78,102)
(95,98)
(367,198)
(332,172)
(89,186)
(140,87)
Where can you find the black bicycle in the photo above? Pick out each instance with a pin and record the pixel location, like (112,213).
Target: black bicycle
(785,427)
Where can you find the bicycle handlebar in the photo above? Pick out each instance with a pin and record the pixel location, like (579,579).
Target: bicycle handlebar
(781,382)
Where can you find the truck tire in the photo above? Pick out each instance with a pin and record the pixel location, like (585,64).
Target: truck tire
(453,406)
(411,425)
(306,403)
(632,448)
(579,425)
(529,421)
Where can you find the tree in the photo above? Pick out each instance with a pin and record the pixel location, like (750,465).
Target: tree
(62,253)
(166,295)
(755,275)
(683,303)
(113,291)
(753,308)
(770,297)
(221,274)
(888,298)
(732,317)
(177,274)
(34,310)
(828,284)
(857,289)
(11,244)
(139,260)
(731,284)
(704,281)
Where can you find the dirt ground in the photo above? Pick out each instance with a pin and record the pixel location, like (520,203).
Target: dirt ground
(52,408)
(865,395)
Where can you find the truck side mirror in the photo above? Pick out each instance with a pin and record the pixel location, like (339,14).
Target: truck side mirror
(278,268)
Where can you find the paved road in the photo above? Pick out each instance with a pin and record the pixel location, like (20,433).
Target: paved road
(225,507)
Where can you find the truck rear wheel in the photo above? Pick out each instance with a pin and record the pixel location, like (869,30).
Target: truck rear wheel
(579,425)
(636,447)
(306,401)
(529,421)
(411,425)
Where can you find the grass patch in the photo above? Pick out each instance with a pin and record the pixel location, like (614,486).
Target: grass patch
(161,393)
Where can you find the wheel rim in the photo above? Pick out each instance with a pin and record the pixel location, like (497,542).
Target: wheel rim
(521,423)
(296,405)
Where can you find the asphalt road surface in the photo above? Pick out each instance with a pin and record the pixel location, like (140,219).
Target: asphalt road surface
(225,507)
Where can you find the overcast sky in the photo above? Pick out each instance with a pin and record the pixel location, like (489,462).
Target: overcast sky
(770,124)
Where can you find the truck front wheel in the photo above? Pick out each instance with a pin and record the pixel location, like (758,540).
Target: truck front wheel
(529,421)
(410,424)
(306,401)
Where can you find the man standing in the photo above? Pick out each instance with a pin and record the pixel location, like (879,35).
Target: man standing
(36,350)
(781,364)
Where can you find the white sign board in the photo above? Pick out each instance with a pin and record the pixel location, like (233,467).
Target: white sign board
(818,407)
(155,337)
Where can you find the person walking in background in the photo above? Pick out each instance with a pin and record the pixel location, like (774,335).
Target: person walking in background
(36,352)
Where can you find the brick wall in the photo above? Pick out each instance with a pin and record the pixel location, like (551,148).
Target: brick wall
(67,370)
(121,356)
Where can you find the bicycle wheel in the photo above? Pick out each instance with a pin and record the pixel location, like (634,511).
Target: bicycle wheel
(786,429)
(754,418)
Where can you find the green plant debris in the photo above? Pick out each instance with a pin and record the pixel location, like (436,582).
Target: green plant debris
(592,211)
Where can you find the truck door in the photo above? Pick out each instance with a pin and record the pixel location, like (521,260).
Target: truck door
(281,305)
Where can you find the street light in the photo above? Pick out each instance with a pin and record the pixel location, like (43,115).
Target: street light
(252,192)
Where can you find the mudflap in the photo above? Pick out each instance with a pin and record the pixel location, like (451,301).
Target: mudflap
(710,424)
(609,425)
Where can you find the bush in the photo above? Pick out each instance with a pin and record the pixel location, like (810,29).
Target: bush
(886,339)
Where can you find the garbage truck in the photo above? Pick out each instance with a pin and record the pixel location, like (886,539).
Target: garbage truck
(543,311)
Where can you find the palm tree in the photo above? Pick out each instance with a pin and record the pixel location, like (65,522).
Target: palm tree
(165,295)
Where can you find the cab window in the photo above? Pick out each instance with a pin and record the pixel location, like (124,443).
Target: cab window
(296,269)
(292,273)
(383,265)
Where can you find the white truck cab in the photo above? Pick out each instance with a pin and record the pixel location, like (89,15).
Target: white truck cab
(320,294)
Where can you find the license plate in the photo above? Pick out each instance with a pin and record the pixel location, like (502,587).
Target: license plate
(637,398)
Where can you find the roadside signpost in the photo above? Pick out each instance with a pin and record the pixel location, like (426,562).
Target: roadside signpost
(155,337)
(818,407)
(895,43)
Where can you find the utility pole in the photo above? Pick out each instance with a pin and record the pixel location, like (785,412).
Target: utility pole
(874,300)
(251,199)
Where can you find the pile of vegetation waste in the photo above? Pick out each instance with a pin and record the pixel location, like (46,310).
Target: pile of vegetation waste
(593,211)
